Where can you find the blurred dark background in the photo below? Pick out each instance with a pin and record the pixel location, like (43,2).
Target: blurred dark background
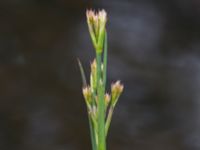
(153,48)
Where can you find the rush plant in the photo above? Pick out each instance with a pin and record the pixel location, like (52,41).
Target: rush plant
(100,104)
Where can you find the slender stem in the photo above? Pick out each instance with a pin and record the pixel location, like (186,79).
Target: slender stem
(98,57)
(105,78)
(108,121)
(101,107)
(105,59)
(92,134)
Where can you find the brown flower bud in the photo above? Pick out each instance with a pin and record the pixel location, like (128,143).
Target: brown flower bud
(107,99)
(87,93)
(116,90)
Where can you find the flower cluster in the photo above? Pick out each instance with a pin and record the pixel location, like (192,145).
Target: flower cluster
(96,24)
(91,97)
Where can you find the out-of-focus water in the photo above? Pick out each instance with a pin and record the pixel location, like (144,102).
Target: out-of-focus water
(153,49)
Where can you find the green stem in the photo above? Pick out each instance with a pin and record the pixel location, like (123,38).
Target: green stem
(92,134)
(98,57)
(108,121)
(105,60)
(101,107)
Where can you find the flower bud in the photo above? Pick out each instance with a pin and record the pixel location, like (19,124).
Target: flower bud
(87,93)
(107,99)
(102,23)
(93,75)
(93,112)
(116,90)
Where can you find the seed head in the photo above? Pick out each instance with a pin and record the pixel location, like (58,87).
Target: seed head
(96,23)
(116,90)
(117,86)
(107,99)
(87,93)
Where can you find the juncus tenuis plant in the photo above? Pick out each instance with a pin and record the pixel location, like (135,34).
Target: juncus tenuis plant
(100,104)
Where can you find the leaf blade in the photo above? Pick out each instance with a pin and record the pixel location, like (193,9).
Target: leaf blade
(84,81)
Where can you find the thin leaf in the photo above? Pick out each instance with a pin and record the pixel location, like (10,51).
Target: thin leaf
(82,73)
